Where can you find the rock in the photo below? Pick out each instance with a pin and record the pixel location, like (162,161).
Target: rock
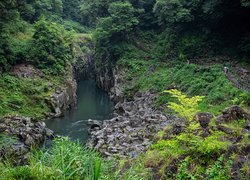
(225,129)
(128,133)
(177,129)
(94,124)
(49,133)
(247,126)
(231,114)
(64,98)
(26,134)
(26,71)
(203,118)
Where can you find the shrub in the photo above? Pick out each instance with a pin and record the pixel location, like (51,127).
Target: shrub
(187,107)
(218,170)
(50,50)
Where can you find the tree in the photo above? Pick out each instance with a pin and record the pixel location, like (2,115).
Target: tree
(174,11)
(114,29)
(71,9)
(49,48)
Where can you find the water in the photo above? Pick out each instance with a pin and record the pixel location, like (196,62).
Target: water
(92,103)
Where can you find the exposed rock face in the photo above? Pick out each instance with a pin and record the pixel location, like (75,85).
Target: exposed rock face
(130,131)
(104,77)
(84,56)
(25,133)
(26,71)
(110,80)
(64,98)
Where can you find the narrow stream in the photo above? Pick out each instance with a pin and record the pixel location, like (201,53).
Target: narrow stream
(92,103)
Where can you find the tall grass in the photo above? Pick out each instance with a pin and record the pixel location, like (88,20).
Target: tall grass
(65,160)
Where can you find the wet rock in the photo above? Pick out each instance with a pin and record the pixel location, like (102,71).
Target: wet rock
(94,124)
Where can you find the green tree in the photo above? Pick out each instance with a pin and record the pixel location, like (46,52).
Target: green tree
(113,30)
(50,49)
(71,9)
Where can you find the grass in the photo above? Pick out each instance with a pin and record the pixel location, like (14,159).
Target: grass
(189,78)
(25,96)
(65,160)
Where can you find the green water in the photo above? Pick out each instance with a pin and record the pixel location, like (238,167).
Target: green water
(92,103)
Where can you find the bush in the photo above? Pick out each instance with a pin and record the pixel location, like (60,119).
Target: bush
(50,47)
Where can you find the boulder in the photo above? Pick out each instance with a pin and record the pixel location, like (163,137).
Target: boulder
(203,118)
(25,133)
(231,114)
(128,134)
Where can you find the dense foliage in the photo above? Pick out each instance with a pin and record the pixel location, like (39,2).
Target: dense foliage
(186,28)
(155,45)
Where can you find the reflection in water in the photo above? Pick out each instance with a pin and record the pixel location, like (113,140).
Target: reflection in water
(92,103)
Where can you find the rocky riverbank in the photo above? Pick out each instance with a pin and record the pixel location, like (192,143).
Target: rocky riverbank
(18,135)
(131,130)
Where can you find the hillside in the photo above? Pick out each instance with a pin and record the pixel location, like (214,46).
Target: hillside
(178,71)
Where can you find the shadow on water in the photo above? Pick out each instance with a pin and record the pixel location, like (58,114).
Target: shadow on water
(92,103)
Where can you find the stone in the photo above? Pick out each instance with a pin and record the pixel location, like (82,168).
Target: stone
(128,134)
(231,114)
(26,134)
(225,129)
(203,118)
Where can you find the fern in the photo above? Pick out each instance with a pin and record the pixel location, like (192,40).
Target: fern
(187,107)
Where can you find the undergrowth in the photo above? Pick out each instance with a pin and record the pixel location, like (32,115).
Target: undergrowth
(26,96)
(65,160)
(189,153)
(142,74)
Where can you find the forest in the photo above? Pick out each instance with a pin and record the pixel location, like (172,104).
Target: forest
(178,72)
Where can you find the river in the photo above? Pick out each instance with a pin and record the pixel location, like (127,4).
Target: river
(92,103)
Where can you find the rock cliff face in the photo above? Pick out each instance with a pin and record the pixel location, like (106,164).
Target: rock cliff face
(109,79)
(64,98)
(84,59)
(104,77)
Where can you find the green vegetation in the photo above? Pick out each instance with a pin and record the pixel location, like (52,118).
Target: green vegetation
(209,81)
(190,154)
(152,43)
(65,160)
(19,96)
